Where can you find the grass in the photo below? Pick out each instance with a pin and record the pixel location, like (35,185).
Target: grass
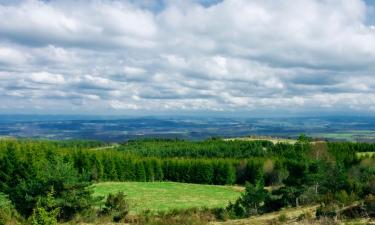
(162,196)
(289,214)
(274,140)
(365,154)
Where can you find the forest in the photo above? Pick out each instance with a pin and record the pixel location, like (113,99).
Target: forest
(50,182)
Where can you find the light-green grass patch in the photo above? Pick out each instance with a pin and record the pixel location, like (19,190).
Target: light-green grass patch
(163,196)
(365,154)
(274,140)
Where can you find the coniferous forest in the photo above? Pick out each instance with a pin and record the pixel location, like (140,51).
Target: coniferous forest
(47,182)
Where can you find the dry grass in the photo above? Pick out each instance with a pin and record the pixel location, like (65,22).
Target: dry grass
(266,219)
(274,140)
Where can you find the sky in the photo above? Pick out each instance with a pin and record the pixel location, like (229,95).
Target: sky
(137,57)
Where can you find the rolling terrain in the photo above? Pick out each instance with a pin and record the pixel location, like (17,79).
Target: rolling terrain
(118,129)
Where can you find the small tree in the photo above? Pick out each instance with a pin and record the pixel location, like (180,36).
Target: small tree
(253,198)
(140,172)
(250,202)
(116,206)
(45,214)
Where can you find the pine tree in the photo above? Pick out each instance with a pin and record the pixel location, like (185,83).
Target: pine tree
(47,214)
(97,169)
(140,172)
(159,176)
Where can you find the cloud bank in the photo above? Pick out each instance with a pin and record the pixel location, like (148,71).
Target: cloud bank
(106,56)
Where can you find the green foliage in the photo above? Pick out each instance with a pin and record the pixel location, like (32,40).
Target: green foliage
(7,211)
(330,210)
(250,201)
(304,173)
(116,206)
(212,148)
(45,214)
(28,174)
(282,218)
(370,205)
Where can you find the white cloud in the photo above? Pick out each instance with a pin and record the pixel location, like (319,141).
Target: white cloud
(12,56)
(233,55)
(47,78)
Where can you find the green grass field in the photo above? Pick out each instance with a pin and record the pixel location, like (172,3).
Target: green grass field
(169,195)
(365,154)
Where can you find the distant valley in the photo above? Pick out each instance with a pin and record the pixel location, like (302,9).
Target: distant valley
(117,129)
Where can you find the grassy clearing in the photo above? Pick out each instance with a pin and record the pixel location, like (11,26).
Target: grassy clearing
(365,154)
(169,195)
(272,139)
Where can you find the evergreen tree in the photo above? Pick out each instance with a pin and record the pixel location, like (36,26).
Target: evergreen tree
(159,176)
(140,172)
(45,214)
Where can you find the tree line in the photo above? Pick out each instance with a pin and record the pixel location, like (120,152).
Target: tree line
(304,173)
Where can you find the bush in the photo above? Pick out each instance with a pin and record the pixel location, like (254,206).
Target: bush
(370,205)
(236,210)
(329,211)
(250,202)
(282,218)
(305,216)
(220,214)
(192,216)
(8,215)
(116,206)
(344,198)
(45,214)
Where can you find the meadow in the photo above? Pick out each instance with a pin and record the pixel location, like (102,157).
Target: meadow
(365,154)
(163,196)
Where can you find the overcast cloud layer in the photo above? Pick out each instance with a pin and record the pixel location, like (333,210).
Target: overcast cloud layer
(133,56)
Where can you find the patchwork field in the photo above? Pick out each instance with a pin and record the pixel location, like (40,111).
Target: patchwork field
(169,195)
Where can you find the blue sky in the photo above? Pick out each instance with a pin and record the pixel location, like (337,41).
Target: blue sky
(172,56)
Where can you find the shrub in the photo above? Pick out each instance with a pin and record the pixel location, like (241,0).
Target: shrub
(282,218)
(45,214)
(8,215)
(370,205)
(329,211)
(220,214)
(236,210)
(304,216)
(116,206)
(344,198)
(192,216)
(250,202)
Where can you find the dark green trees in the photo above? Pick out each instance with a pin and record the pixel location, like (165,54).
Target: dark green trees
(28,175)
(250,202)
(224,173)
(295,183)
